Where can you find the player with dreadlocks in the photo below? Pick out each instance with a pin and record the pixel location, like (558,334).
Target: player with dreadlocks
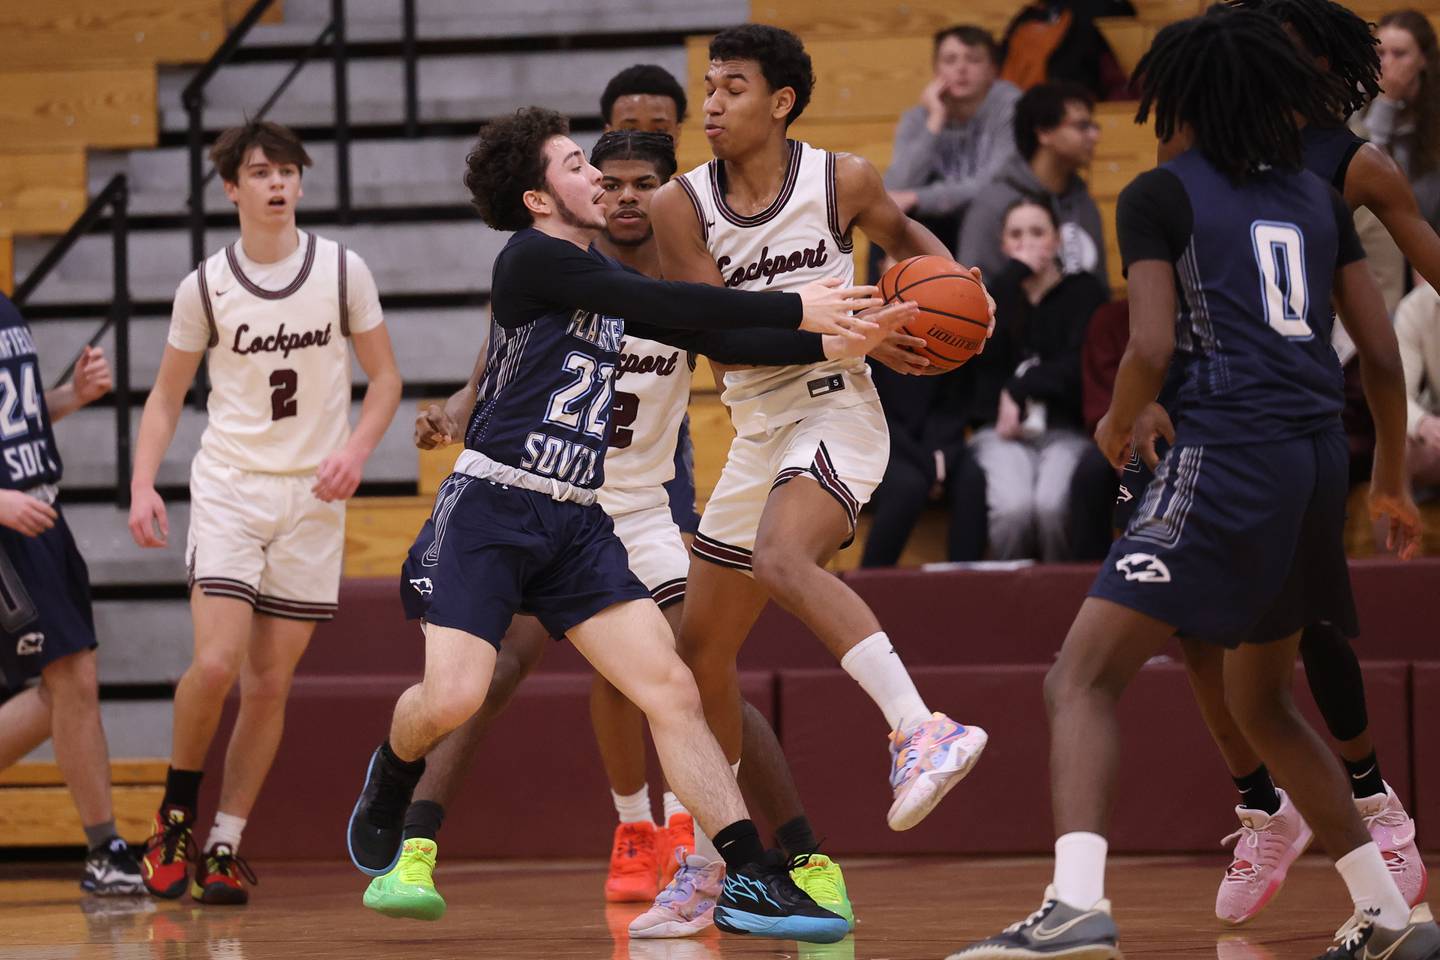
(1272,833)
(1233,252)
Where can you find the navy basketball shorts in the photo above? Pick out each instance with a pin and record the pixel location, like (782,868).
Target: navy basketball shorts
(45,610)
(1239,543)
(490,551)
(681,487)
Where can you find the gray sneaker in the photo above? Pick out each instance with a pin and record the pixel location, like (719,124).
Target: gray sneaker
(1360,939)
(1055,930)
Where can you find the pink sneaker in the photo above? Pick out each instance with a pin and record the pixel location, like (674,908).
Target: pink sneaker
(1265,847)
(1394,833)
(926,763)
(685,907)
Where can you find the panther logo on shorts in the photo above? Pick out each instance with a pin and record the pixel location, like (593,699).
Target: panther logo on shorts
(423,586)
(1143,568)
(30,643)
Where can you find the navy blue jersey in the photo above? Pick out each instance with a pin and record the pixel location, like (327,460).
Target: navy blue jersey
(559,314)
(1328,152)
(26,444)
(1254,264)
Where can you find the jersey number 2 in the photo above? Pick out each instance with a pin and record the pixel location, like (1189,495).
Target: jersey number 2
(623,414)
(1280,254)
(282,401)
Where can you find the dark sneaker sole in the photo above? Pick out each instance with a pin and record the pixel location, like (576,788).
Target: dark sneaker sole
(219,896)
(807,929)
(173,892)
(376,871)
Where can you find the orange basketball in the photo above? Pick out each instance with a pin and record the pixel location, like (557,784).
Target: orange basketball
(954,313)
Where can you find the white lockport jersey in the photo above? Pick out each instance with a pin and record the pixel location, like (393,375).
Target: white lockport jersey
(279,360)
(652,391)
(796,240)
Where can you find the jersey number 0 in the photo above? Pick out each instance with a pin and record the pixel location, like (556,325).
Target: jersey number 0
(1280,254)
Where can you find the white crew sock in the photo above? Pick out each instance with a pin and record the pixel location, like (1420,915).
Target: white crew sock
(634,808)
(875,665)
(227,830)
(1080,869)
(673,806)
(1372,888)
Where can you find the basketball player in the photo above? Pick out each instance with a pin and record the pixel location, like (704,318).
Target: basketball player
(652,390)
(1233,252)
(47,630)
(770,213)
(275,313)
(1272,833)
(516,526)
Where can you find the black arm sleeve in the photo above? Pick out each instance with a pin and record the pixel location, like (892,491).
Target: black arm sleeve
(759,347)
(538,274)
(1153,218)
(1350,249)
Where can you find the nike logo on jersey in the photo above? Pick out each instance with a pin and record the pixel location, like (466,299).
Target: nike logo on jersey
(1143,568)
(1044,933)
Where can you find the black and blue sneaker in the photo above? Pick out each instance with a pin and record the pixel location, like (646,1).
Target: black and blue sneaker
(761,900)
(377,824)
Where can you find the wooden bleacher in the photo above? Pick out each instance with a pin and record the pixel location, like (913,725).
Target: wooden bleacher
(36,810)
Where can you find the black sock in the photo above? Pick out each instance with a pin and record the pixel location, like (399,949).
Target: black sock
(1257,791)
(1365,776)
(182,789)
(423,819)
(740,844)
(404,769)
(796,838)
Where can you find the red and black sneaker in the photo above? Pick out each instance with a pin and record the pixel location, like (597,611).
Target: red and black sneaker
(168,852)
(220,877)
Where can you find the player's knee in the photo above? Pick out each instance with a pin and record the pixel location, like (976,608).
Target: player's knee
(215,673)
(671,690)
(451,701)
(72,678)
(269,686)
(778,567)
(510,669)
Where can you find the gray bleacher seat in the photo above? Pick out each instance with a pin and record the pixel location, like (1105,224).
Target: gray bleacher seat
(133,728)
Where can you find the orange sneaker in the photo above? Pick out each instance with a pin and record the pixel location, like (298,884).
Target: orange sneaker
(168,852)
(678,834)
(633,870)
(220,877)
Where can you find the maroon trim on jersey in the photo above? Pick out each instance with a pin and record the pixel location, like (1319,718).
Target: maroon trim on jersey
(822,470)
(707,548)
(225,587)
(205,302)
(668,593)
(344,299)
(792,174)
(294,609)
(260,291)
(843,238)
(699,210)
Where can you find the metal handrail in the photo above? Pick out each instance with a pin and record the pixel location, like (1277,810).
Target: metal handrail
(116,197)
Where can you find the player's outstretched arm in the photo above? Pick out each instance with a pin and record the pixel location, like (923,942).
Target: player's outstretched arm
(90,381)
(1382,376)
(440,425)
(1375,182)
(339,474)
(1146,359)
(148,523)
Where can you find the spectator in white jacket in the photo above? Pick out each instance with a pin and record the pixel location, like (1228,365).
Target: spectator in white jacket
(1417,327)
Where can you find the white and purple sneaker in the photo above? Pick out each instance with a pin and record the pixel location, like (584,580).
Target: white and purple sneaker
(926,762)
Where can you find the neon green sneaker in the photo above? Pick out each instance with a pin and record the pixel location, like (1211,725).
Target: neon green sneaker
(820,877)
(408,891)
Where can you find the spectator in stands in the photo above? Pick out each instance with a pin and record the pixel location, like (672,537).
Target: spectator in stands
(1028,387)
(1094,487)
(958,139)
(1051,40)
(644,97)
(1404,122)
(929,462)
(1056,134)
(1417,326)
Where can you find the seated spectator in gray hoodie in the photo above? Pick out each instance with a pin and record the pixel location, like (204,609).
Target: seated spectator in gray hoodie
(1055,134)
(959,138)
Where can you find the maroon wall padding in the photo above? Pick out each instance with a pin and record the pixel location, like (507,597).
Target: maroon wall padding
(537,788)
(934,617)
(1174,792)
(1426,726)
